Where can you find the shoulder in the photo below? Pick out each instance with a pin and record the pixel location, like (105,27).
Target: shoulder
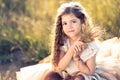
(90,51)
(93,46)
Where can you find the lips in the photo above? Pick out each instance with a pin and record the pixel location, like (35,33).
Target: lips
(71,31)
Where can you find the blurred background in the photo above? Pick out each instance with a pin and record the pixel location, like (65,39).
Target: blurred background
(26,29)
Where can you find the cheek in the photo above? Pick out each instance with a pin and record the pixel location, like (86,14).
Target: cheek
(64,28)
(79,29)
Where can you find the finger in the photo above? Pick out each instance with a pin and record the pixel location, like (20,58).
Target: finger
(81,43)
(74,51)
(83,47)
(78,48)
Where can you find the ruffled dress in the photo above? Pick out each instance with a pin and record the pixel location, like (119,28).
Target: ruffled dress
(109,70)
(102,71)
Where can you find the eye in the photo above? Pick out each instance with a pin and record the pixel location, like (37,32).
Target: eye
(64,23)
(74,21)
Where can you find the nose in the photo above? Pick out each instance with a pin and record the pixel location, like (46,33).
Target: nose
(70,25)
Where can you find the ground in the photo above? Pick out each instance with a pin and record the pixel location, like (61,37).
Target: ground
(19,59)
(7,71)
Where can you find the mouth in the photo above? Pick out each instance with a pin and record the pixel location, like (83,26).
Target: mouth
(71,31)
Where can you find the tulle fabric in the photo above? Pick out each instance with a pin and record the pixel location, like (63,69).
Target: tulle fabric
(33,72)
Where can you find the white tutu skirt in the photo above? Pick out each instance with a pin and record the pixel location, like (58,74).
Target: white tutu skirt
(105,71)
(33,72)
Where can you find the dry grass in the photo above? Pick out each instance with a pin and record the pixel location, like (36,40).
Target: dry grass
(7,71)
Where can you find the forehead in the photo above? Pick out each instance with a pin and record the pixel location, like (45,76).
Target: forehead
(67,17)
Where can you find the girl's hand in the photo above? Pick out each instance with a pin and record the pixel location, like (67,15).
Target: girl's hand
(77,47)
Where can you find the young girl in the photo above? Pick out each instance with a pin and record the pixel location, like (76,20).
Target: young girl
(74,46)
(74,50)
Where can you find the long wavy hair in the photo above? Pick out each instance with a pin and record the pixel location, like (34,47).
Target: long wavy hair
(88,31)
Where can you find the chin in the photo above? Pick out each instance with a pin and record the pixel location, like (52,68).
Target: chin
(71,36)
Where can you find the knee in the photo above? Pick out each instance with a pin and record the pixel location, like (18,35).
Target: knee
(52,76)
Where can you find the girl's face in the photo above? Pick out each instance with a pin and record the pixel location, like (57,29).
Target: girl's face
(71,26)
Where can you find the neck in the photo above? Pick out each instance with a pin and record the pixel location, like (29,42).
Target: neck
(72,40)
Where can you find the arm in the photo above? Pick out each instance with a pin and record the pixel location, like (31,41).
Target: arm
(88,67)
(65,59)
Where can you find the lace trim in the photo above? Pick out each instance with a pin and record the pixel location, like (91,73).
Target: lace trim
(89,52)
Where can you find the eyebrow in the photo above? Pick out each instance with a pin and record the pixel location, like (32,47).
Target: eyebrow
(73,19)
(70,20)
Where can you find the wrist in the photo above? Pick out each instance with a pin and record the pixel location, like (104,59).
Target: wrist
(76,58)
(70,52)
